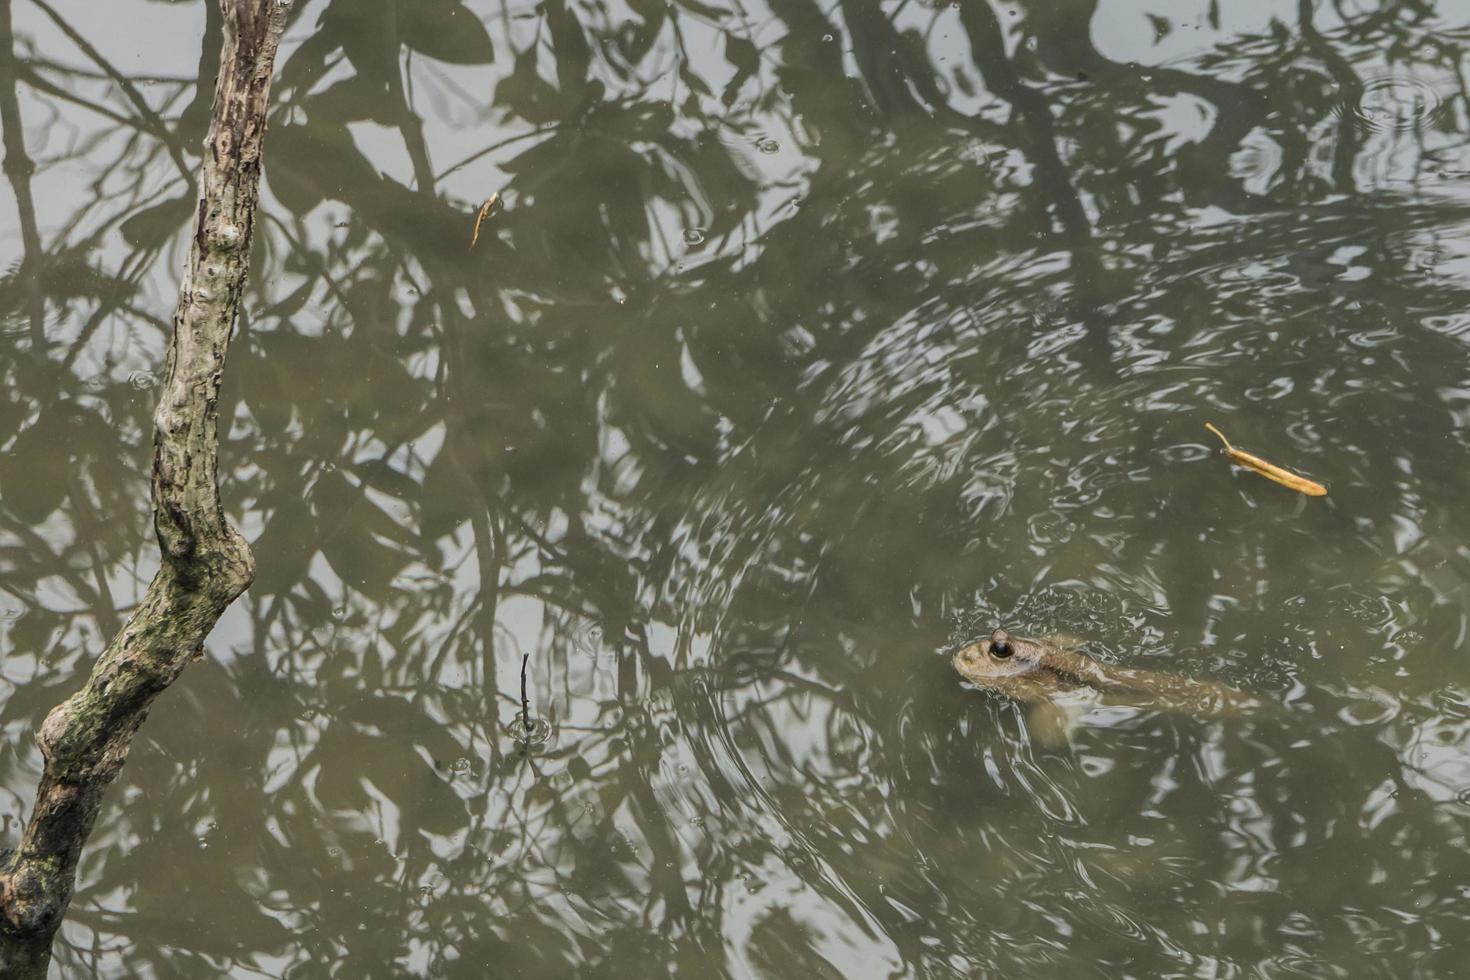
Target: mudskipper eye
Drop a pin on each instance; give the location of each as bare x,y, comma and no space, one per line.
1000,644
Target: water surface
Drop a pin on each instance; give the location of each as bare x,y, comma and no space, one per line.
810,341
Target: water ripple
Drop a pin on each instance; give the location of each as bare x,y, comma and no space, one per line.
1397,103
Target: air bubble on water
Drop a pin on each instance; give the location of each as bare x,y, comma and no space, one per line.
828,38
142,380
767,145
460,766
339,613
693,236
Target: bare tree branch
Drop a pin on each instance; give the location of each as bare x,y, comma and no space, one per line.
206,563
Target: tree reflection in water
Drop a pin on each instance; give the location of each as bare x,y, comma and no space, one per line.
809,338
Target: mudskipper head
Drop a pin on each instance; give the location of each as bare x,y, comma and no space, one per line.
998,656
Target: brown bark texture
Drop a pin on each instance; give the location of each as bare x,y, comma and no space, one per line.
206,563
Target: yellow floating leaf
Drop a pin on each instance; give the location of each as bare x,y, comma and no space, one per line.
1270,470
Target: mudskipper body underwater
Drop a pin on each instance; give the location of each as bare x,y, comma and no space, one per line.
1039,671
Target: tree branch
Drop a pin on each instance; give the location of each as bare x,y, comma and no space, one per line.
206,563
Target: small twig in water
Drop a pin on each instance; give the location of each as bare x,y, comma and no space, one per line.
525,697
485,209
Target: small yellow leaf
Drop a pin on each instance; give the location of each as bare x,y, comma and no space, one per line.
1270,470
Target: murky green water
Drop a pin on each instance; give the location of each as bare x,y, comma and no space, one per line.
811,339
